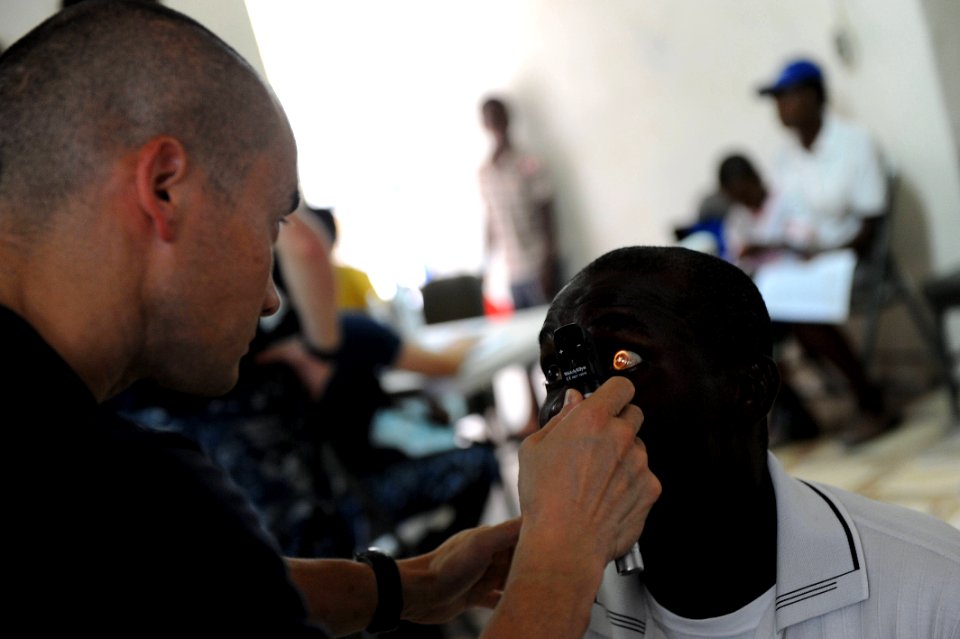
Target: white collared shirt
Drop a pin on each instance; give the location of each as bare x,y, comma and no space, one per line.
840,181
847,566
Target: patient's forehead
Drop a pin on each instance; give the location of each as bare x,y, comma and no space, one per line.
632,288
647,296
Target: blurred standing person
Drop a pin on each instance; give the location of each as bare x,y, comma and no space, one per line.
518,196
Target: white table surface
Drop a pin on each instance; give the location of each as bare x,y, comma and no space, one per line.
502,341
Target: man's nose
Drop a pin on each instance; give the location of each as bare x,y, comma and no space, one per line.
271,301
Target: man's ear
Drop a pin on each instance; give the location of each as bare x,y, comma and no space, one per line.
161,166
757,388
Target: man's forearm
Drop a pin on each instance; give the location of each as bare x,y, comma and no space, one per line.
339,594
549,594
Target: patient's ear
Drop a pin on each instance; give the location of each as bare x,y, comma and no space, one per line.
757,387
161,169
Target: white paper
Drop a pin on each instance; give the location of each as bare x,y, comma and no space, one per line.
814,291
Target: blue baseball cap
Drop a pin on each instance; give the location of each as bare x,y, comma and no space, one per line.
795,73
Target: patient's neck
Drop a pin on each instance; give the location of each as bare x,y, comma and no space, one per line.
710,554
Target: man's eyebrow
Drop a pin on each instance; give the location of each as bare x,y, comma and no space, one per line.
616,320
634,324
621,321
630,326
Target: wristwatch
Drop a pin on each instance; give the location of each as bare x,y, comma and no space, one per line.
389,592
323,354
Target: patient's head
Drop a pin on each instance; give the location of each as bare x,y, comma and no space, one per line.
697,338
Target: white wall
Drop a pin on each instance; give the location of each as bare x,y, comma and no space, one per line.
632,103
640,99
226,18
229,20
943,16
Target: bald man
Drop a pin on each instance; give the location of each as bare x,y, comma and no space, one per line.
145,171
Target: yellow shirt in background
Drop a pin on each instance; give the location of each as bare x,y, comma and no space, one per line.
353,289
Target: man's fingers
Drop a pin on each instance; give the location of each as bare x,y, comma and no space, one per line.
615,394
633,416
631,526
489,599
647,490
501,537
571,399
505,534
612,399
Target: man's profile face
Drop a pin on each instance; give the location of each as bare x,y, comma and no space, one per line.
637,315
222,283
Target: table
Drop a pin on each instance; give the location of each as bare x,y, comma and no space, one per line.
502,341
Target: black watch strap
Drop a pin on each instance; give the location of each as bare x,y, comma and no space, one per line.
389,592
323,354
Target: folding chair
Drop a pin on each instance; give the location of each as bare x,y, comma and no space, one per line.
880,283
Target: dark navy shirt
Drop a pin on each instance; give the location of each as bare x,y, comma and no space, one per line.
119,529
354,394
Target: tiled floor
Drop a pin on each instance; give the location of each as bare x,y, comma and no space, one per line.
917,465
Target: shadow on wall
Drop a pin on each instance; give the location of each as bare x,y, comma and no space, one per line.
571,222
537,133
911,231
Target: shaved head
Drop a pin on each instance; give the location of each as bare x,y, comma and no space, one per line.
718,300
103,77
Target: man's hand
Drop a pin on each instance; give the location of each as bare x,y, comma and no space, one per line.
313,373
468,570
584,479
585,491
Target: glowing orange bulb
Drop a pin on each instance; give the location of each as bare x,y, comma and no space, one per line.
625,359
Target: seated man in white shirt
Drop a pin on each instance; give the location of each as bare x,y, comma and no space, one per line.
829,164
828,191
735,547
